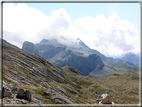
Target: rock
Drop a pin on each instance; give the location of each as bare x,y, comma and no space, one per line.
6,93
46,93
14,90
75,70
23,102
60,99
13,102
20,93
28,95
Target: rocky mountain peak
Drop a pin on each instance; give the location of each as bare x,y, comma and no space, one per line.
130,57
44,41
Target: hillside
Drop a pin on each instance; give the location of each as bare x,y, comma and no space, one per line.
125,68
40,82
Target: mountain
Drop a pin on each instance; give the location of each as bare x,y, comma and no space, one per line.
84,62
77,45
130,57
129,63
112,62
27,78
61,55
30,47
81,46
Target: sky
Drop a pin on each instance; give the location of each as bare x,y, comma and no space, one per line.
111,28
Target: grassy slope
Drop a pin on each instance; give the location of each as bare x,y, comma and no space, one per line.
125,68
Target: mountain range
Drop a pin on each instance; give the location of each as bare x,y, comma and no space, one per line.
30,79
79,55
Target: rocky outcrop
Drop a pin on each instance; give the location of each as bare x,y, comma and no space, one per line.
75,70
56,96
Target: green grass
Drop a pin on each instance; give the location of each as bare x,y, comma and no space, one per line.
125,68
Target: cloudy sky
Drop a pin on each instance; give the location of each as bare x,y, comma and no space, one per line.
111,28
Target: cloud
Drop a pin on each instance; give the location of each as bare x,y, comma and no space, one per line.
110,36
30,24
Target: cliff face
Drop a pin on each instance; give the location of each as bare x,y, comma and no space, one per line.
84,62
29,47
61,55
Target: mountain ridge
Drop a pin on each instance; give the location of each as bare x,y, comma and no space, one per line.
61,55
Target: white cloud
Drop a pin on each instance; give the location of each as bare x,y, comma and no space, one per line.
30,24
110,36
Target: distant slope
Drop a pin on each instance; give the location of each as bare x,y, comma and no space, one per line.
104,71
112,62
125,68
130,57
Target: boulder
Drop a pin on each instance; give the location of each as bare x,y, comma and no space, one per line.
23,102
20,93
14,90
28,95
6,93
